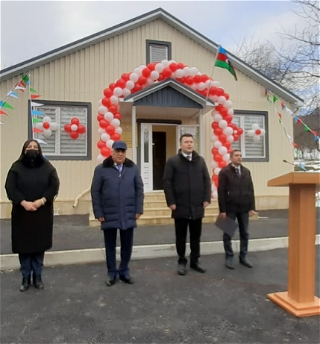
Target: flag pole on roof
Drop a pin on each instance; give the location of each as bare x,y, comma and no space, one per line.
223,61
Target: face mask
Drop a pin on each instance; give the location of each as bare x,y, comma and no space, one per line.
32,153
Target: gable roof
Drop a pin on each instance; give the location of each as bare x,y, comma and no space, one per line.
134,23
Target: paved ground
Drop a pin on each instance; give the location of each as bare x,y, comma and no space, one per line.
221,306
73,232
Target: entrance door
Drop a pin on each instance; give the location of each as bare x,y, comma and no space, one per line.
146,156
159,140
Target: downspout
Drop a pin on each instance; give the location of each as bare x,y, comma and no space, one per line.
76,201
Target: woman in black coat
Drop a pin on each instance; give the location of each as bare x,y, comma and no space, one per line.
32,185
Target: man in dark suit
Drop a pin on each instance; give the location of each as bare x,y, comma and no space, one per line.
236,200
187,187
117,200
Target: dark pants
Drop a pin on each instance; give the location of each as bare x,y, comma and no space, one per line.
32,262
110,240
243,222
181,226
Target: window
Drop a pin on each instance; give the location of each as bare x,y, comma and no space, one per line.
252,150
59,145
158,51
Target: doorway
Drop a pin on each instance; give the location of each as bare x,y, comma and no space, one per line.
159,141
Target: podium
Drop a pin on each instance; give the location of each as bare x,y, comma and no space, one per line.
300,298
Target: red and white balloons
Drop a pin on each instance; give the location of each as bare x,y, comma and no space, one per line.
74,128
46,126
256,132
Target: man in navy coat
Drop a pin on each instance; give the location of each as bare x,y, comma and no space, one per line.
117,200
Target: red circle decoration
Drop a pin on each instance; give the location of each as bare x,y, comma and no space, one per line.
81,129
144,76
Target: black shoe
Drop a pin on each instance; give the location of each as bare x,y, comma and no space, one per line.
229,263
127,279
37,282
197,267
182,269
245,262
111,281
25,284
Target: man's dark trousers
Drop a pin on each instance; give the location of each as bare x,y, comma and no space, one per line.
31,262
181,227
243,222
126,241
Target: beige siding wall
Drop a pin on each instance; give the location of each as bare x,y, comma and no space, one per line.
83,75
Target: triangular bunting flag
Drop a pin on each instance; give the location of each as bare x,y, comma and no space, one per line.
36,104
20,88
36,120
26,79
36,130
275,98
36,112
12,94
5,105
35,96
33,90
40,141
3,113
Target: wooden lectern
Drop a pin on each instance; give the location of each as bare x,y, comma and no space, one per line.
300,298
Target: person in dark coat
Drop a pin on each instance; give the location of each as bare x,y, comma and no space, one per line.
236,201
32,185
117,200
187,187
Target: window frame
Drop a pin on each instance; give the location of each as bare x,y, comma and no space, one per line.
55,103
149,42
243,113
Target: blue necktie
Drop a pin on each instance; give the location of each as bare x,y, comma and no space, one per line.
119,167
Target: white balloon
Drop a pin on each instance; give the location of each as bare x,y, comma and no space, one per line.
165,63
213,187
230,138
208,83
137,70
159,67
223,150
217,144
201,86
221,99
228,104
74,127
214,194
39,125
228,131
217,117
179,73
100,158
54,126
214,98
142,67
214,112
117,92
130,84
133,77
154,75
194,71
105,137
215,83
213,138
250,132
214,164
102,109
262,132
226,157
187,71
230,112
47,133
126,92
110,143
255,127
217,170
101,131
115,122
100,102
256,138
119,130
108,116
46,119
194,86
150,82
114,99
223,124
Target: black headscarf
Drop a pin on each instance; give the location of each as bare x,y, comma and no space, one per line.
38,161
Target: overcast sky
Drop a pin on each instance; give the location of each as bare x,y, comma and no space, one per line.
31,28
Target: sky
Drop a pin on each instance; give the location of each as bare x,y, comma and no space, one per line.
31,28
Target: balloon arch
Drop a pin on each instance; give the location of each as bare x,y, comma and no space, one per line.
224,130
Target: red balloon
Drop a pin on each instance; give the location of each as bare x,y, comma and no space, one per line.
214,151
228,118
227,144
106,101
220,91
223,138
258,131
125,76
214,125
218,131
236,137
146,72
197,79
142,80
103,123
218,107
240,131
189,80
81,129
222,164
67,127
110,129
113,108
204,77
75,120
46,125
74,135
213,90
173,66
118,116
167,72
115,137
107,92
121,83
223,111
215,178
227,96
100,117
218,158
105,151
101,144
180,65
137,88
151,66
112,86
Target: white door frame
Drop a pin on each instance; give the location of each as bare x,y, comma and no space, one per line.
146,155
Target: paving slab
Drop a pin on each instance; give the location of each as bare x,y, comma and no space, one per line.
221,306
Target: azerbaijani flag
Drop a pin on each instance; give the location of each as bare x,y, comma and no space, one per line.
223,61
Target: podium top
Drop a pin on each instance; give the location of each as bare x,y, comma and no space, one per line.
295,178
